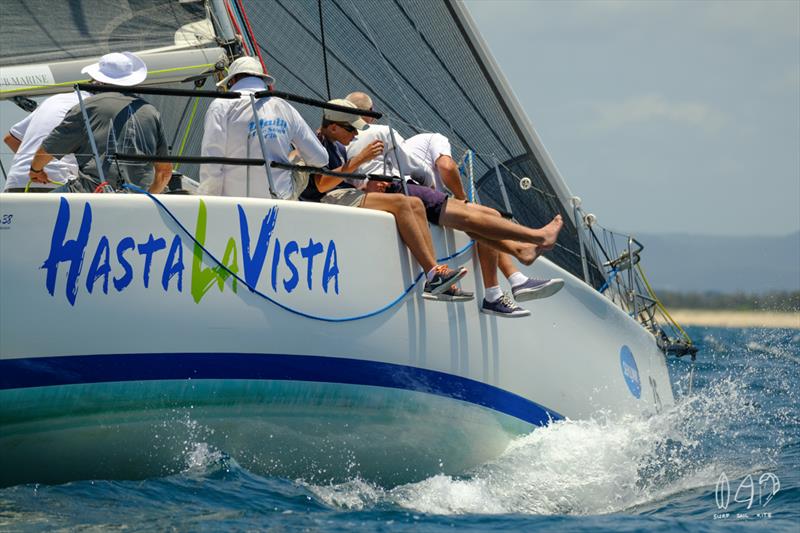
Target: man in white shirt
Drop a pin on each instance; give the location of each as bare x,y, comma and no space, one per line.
25,137
434,150
230,131
482,223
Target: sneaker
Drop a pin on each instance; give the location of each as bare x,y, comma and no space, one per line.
453,294
536,288
443,278
504,306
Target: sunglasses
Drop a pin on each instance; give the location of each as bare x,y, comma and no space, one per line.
346,127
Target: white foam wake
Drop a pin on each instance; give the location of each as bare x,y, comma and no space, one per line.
604,465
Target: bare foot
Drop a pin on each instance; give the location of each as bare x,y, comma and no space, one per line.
550,233
527,253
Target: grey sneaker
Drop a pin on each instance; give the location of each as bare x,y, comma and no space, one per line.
536,288
443,278
453,294
504,306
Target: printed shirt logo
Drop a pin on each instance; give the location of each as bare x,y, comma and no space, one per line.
270,128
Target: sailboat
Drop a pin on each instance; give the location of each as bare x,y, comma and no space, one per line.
134,327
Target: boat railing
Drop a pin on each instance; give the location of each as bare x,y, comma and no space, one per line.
233,95
626,284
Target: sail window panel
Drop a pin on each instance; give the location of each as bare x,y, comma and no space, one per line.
46,31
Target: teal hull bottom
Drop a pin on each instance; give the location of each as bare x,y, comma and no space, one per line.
293,429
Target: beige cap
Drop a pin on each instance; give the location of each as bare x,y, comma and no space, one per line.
246,65
353,119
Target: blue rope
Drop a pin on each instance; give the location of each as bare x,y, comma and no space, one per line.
283,306
611,277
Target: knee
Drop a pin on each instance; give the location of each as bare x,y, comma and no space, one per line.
415,204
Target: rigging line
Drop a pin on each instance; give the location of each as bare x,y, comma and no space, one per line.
369,35
251,35
453,77
291,73
333,54
324,48
495,89
368,86
188,128
235,22
396,72
3,168
180,121
252,289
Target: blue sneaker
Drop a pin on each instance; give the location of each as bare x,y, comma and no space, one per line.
536,288
504,306
443,278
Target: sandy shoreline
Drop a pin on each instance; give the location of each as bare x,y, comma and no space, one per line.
736,319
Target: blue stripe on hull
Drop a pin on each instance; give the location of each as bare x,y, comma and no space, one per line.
71,370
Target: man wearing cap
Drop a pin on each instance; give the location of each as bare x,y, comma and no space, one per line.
338,129
120,123
230,131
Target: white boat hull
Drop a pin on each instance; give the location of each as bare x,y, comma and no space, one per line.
328,369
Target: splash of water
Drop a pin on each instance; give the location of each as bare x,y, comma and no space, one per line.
610,463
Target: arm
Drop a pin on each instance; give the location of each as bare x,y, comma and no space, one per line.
214,140
12,142
162,176
370,152
40,159
16,133
448,170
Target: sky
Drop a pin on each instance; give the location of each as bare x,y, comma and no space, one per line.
664,117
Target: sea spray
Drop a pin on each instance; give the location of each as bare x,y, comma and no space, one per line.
612,464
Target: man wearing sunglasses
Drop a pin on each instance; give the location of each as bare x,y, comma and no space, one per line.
338,129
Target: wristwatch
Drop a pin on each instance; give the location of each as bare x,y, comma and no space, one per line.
36,171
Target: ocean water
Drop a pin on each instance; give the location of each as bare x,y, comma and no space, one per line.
726,457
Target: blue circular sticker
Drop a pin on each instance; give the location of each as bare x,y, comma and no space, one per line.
630,371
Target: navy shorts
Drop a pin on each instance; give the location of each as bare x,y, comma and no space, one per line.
433,200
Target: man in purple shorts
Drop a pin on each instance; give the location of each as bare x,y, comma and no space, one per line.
482,223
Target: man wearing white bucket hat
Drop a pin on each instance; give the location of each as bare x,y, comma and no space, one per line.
120,122
230,131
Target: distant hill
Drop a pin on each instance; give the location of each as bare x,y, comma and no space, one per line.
698,263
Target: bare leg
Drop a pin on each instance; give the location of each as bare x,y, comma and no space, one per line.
488,260
506,265
467,217
422,220
406,221
524,252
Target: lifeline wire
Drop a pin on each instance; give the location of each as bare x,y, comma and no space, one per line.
274,302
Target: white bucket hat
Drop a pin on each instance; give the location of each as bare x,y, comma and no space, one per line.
246,65
117,68
354,119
